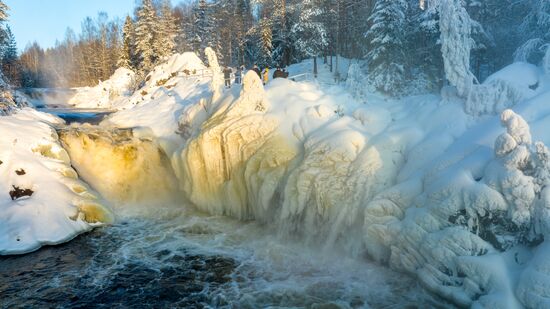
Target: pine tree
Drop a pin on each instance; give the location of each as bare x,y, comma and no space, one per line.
184,25
126,59
146,36
385,36
423,51
168,30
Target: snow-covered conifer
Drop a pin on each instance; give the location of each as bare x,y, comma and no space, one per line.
202,26
310,32
126,58
385,37
168,30
146,34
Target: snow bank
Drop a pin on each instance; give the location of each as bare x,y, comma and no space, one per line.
43,201
504,89
102,96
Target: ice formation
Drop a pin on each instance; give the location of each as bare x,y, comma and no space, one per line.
132,169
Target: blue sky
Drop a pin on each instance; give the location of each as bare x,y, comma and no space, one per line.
46,20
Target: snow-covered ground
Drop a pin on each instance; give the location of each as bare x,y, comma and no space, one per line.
453,194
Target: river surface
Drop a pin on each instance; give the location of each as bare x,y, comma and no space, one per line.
181,259
77,115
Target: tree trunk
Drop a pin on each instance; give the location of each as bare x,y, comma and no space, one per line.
315,67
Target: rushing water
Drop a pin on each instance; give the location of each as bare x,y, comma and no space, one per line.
181,259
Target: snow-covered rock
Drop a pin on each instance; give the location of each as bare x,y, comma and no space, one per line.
43,202
103,95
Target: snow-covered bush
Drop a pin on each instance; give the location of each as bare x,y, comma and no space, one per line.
10,100
356,83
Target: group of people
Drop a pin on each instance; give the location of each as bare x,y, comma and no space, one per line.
263,74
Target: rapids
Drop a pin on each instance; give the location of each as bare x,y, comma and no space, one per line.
180,258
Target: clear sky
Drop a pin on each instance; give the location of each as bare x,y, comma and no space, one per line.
47,20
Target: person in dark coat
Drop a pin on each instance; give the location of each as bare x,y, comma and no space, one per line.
227,76
258,71
278,73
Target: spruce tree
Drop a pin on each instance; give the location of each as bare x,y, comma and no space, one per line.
3,18
201,27
10,58
146,35
386,40
242,22
311,36
127,51
168,30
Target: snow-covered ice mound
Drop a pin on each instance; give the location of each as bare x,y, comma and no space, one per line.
42,202
106,92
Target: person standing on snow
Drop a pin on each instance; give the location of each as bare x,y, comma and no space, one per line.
266,75
238,75
227,76
278,73
257,70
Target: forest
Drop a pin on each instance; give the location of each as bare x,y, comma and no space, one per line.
396,42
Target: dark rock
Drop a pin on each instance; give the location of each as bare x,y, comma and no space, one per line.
18,193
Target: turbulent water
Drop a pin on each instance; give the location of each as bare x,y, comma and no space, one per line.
182,259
